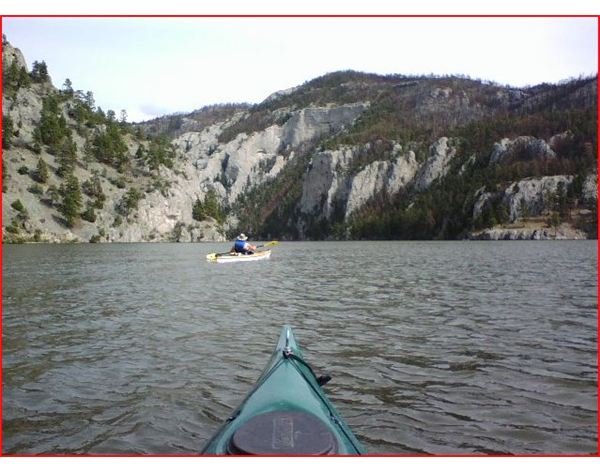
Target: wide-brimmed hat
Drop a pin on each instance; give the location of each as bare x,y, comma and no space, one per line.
242,237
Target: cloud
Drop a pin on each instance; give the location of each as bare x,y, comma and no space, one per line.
147,111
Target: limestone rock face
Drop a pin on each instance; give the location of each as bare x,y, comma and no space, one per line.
528,197
520,149
366,183
231,169
483,198
25,107
329,184
563,231
24,110
532,197
249,160
381,176
503,234
436,166
280,93
312,123
325,182
12,54
590,189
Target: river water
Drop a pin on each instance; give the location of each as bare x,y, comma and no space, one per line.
434,347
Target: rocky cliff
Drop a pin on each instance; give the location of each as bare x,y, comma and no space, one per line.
347,155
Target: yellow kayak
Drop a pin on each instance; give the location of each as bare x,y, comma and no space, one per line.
231,257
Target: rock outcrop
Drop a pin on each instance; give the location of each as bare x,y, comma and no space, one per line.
12,56
522,148
250,159
331,183
436,166
561,232
535,196
25,105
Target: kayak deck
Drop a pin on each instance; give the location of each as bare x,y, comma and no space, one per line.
286,413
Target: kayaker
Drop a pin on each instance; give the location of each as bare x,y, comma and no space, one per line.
241,245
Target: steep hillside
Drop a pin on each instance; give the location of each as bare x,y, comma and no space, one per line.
73,172
345,155
435,157
171,126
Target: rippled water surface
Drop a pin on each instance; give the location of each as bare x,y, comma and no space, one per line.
434,347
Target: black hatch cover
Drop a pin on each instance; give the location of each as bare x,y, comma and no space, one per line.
283,433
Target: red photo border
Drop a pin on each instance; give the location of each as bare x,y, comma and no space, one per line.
358,16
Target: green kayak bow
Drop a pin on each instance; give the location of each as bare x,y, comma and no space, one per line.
285,413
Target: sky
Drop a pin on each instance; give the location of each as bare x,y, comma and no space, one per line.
156,66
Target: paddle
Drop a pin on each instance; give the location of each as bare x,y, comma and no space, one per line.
268,244
213,256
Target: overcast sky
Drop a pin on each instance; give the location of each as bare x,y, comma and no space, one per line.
156,66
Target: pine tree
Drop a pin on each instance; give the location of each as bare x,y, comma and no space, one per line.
10,76
89,100
68,87
4,177
7,131
42,171
24,78
53,126
89,214
53,196
130,201
198,210
160,152
93,188
39,72
209,208
71,203
67,157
